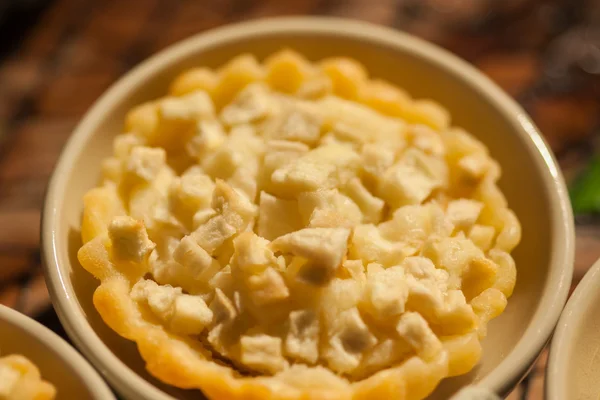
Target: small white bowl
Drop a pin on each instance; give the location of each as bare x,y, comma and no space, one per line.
531,181
573,370
59,363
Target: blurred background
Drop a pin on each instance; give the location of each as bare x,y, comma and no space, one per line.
58,56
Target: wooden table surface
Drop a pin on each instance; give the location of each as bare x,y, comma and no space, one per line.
72,50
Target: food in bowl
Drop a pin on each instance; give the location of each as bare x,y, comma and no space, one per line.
292,230
20,379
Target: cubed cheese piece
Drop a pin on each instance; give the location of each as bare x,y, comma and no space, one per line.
252,253
190,107
235,207
263,353
278,153
452,254
222,280
145,163
325,249
200,264
463,213
209,135
190,315
251,104
415,223
354,269
426,139
412,179
302,340
295,124
165,223
322,168
267,287
125,143
191,80
193,191
129,239
403,185
384,354
368,245
213,233
328,209
413,328
160,298
277,217
202,216
456,317
386,291
245,181
350,337
377,158
369,125
8,380
473,167
222,308
370,206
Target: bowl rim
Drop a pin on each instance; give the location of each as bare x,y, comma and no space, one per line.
561,348
60,349
505,375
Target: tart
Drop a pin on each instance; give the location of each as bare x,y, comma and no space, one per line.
20,380
298,230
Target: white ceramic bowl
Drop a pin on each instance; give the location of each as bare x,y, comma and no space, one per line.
59,363
573,370
531,181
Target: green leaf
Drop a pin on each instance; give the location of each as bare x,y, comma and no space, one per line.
585,190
